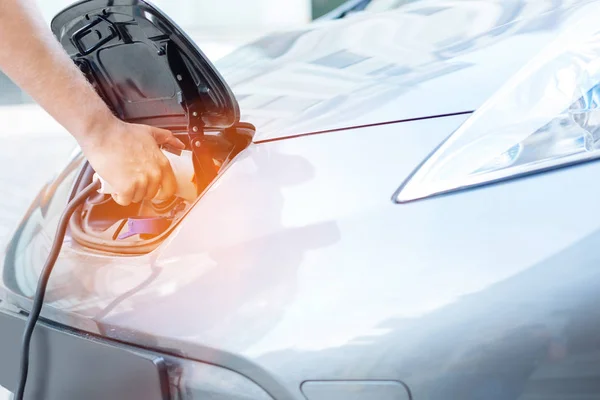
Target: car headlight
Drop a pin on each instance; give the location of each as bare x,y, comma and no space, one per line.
546,116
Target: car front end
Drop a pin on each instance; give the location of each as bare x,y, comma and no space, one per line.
402,225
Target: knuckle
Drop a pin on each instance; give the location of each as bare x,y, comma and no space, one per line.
127,188
163,162
121,200
155,175
168,190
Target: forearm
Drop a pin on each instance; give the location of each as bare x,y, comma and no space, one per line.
31,56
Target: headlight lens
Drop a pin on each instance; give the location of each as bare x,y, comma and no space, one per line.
546,116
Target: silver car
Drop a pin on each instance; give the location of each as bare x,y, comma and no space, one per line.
383,211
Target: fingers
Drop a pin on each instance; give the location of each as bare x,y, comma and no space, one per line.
124,198
148,184
168,184
139,171
157,179
154,181
178,144
163,136
140,189
146,188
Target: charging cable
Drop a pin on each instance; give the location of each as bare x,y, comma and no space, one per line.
38,298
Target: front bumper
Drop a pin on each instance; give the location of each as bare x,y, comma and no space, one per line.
70,365
67,365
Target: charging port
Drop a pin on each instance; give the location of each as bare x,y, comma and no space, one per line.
102,224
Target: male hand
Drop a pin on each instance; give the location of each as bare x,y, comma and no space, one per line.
128,158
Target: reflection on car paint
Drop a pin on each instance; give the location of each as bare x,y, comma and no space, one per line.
296,265
430,44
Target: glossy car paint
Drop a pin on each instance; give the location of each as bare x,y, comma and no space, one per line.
296,265
423,59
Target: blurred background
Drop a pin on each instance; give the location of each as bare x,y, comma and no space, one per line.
33,144
218,26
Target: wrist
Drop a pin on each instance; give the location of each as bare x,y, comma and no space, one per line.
95,129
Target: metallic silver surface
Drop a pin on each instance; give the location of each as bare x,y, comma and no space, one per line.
425,58
297,266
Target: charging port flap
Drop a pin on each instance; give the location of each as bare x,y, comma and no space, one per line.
122,47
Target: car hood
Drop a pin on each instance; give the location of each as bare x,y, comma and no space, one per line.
423,59
296,266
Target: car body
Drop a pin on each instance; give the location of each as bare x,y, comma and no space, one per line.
300,274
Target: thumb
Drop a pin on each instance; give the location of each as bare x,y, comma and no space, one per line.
163,136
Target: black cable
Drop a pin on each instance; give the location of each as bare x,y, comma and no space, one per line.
38,298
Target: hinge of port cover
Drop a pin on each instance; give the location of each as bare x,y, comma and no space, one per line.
192,104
